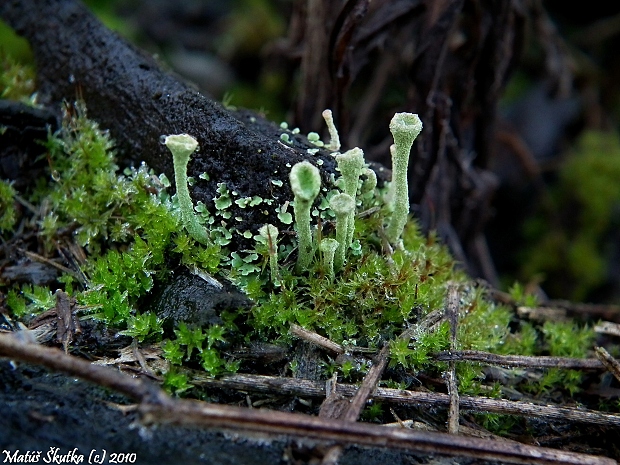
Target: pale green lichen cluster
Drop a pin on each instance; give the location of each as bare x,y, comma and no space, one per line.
343,206
354,189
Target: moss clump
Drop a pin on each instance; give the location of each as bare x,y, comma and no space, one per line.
8,214
16,79
127,223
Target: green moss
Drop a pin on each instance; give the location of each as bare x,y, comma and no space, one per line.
16,80
8,214
30,300
567,339
199,345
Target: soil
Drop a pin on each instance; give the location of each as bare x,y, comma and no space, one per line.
40,411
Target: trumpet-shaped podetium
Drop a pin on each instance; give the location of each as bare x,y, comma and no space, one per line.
351,165
268,234
370,183
405,127
334,143
305,184
182,146
342,205
328,248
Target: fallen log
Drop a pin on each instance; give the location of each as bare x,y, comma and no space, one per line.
129,94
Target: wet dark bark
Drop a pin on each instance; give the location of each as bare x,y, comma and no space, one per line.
127,92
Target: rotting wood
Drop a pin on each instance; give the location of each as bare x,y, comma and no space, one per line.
128,93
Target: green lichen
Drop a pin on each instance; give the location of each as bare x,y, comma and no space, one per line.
343,206
405,127
182,147
305,184
329,247
268,236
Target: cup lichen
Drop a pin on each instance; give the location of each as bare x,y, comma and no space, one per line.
268,234
405,127
328,247
305,183
182,146
343,205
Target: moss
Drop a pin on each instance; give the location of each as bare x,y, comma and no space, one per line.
8,214
16,79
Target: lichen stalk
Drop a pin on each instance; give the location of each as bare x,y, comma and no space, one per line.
334,143
342,205
269,233
351,165
305,183
328,247
405,127
182,146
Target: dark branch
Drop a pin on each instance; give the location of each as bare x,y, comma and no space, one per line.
128,93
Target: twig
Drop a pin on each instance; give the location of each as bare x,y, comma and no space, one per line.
429,320
188,412
316,339
67,323
608,312
369,384
139,356
46,261
156,406
607,327
452,313
604,311
543,314
520,360
309,388
610,363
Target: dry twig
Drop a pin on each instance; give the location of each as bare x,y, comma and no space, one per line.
610,363
520,360
452,313
316,339
607,327
309,388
